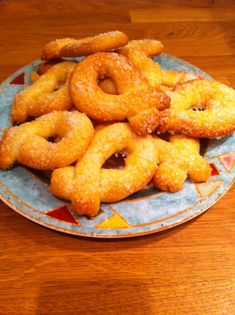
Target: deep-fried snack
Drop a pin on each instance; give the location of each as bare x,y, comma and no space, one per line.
28,143
118,82
179,158
135,94
171,78
106,84
87,184
69,47
45,66
200,108
138,52
48,93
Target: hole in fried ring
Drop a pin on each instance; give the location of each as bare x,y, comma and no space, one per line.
108,86
116,161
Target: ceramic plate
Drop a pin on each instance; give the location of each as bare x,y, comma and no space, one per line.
145,212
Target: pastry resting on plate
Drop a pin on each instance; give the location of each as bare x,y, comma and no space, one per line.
77,114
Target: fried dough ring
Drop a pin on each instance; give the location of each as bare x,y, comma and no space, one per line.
69,47
48,93
179,158
27,144
87,184
215,99
135,94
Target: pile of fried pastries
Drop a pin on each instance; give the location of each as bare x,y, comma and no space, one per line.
116,101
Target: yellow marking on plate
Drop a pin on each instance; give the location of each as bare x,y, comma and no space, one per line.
34,76
113,222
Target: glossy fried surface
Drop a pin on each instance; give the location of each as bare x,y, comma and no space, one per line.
87,184
139,53
135,94
48,93
69,47
200,108
179,158
28,143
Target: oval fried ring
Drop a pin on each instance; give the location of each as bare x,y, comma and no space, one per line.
21,143
135,94
48,93
88,184
200,109
69,47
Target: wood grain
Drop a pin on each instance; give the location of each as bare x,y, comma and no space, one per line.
184,14
187,270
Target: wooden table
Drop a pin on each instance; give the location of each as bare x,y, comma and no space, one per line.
187,270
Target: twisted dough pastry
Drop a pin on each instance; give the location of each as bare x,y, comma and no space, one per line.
69,47
28,144
135,94
139,51
87,184
179,158
201,109
48,93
